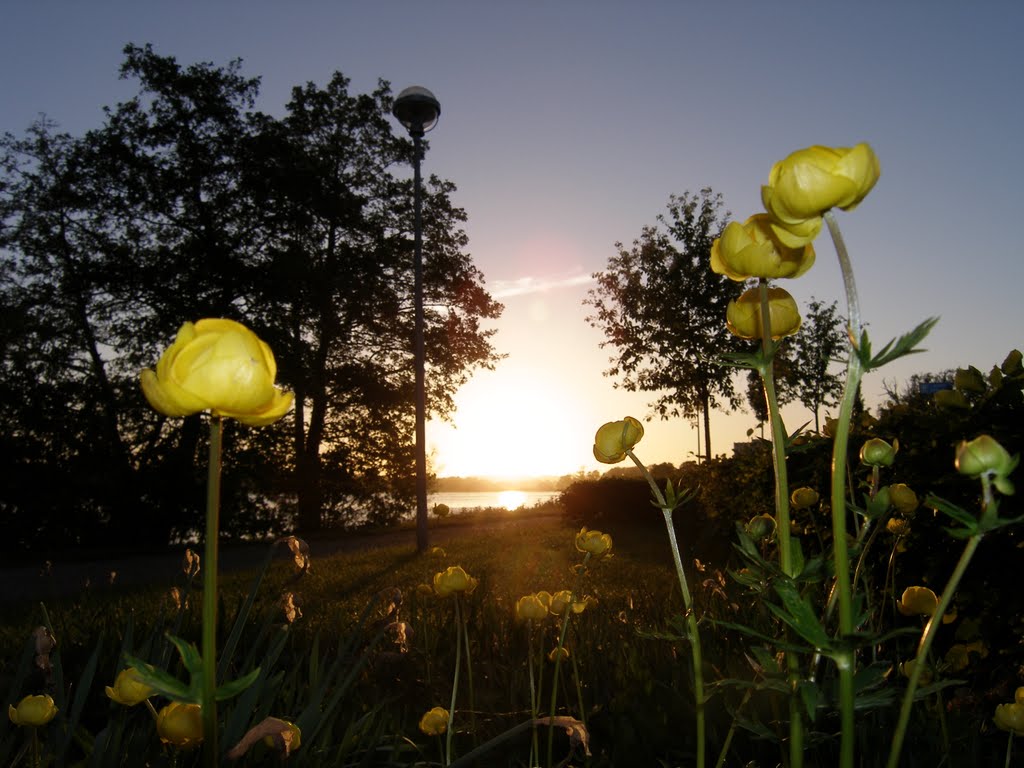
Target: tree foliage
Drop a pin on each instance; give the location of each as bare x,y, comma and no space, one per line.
662,310
186,203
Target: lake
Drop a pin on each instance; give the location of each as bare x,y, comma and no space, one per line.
460,501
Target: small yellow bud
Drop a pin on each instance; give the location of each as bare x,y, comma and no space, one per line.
802,498
615,438
434,722
878,453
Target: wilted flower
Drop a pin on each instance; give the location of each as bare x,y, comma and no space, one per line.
290,606
180,725
811,181
615,438
903,498
33,710
897,526
985,456
752,249
907,669
453,579
557,653
300,551
531,607
434,722
282,735
878,453
743,315
220,366
44,642
802,498
958,657
594,542
190,564
128,690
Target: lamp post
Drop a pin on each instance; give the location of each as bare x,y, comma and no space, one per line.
417,109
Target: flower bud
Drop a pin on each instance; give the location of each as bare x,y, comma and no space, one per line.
1010,717
983,456
615,438
1013,365
878,453
743,316
950,398
752,249
903,498
802,498
180,725
760,528
442,510
969,380
811,181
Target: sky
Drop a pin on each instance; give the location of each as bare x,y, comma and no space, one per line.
567,125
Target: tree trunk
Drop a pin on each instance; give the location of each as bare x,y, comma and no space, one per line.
707,427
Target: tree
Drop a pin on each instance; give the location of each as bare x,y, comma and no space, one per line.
663,311
810,353
187,203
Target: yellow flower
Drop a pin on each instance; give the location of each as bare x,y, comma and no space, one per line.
1010,717
921,601
878,453
32,710
180,725
594,542
615,438
453,579
558,653
434,722
442,510
128,689
438,552
813,180
219,366
802,498
743,316
752,249
903,498
531,607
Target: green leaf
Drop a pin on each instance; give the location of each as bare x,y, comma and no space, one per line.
809,695
904,345
235,687
798,613
163,682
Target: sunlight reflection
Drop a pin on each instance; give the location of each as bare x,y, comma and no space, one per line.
511,499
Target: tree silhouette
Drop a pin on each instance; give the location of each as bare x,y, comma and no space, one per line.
662,309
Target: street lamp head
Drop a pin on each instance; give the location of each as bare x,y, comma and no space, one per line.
417,109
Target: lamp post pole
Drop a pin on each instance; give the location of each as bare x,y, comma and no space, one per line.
418,110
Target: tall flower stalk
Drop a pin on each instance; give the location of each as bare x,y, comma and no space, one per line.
221,367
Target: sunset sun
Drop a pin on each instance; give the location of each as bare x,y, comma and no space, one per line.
517,426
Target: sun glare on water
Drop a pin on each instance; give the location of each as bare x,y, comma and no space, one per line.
511,499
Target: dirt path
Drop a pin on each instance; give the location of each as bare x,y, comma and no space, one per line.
67,578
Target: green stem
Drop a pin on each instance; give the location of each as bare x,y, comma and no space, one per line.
558,657
924,646
535,746
840,553
691,618
209,639
455,682
778,430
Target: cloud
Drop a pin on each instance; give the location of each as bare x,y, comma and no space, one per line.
522,286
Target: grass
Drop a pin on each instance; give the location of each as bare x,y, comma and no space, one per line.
372,651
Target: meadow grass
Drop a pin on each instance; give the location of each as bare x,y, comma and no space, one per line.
375,648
